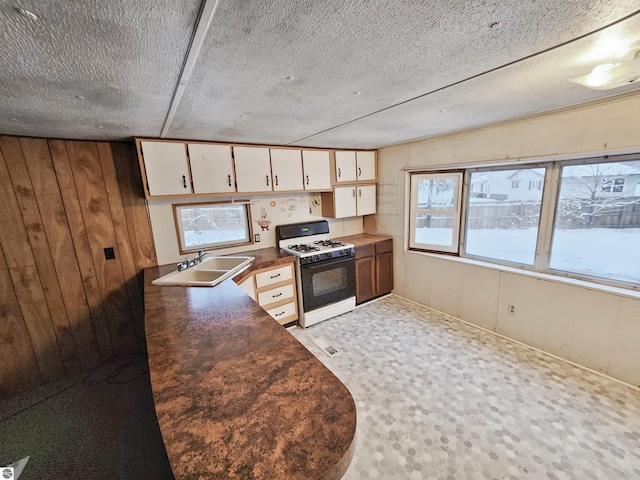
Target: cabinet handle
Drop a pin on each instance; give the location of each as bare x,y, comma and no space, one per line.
307,179
339,173
229,179
360,193
278,314
267,177
359,172
275,276
276,295
184,181
354,193
276,181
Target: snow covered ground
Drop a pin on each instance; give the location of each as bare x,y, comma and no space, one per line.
601,252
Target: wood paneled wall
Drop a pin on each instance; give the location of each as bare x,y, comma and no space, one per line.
65,308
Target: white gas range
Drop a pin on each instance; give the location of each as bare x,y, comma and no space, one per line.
325,270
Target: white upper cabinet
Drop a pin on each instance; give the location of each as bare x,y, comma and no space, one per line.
366,201
346,166
317,169
344,202
286,169
211,168
253,169
166,168
349,201
366,166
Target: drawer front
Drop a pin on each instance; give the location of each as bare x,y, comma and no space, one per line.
275,295
384,246
283,311
275,275
364,251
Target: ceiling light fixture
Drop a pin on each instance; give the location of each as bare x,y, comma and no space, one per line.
357,92
26,13
291,78
608,76
80,97
495,25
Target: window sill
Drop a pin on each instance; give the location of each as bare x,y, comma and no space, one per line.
538,275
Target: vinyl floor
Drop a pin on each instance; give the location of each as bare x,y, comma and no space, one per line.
439,399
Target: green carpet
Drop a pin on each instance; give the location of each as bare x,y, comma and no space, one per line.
100,425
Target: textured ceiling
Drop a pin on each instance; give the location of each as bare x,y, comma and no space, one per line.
332,74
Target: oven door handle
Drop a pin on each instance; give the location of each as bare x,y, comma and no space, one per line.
314,266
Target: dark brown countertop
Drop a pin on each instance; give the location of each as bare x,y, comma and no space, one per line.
236,395
361,239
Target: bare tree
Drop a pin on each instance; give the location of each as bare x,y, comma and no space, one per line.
593,189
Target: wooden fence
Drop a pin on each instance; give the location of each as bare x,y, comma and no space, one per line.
515,215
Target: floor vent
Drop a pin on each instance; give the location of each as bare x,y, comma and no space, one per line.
325,347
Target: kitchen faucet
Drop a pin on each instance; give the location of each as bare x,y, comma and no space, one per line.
191,262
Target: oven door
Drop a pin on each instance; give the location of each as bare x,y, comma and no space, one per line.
327,282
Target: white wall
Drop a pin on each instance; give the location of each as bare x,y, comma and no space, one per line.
279,209
585,323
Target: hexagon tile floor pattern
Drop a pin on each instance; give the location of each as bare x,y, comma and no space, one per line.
438,399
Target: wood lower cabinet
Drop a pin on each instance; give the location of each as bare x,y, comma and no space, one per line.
374,269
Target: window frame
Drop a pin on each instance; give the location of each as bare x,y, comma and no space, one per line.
180,233
548,210
425,247
541,229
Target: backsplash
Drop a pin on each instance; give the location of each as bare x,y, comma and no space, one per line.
267,211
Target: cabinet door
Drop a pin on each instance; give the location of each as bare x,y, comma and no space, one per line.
167,169
211,168
317,170
366,200
286,169
366,165
253,169
365,279
384,273
346,167
344,199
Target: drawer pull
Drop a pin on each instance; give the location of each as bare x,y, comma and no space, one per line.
276,295
229,179
359,172
275,276
184,181
278,314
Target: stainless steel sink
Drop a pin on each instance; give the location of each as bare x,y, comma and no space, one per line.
210,272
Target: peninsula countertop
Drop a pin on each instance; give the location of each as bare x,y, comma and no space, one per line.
236,395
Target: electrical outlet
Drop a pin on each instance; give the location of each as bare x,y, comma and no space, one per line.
109,253
256,238
511,309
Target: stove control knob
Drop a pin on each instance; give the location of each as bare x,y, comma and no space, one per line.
316,257
328,255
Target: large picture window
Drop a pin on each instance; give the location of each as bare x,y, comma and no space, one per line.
502,220
587,227
435,216
597,223
204,226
